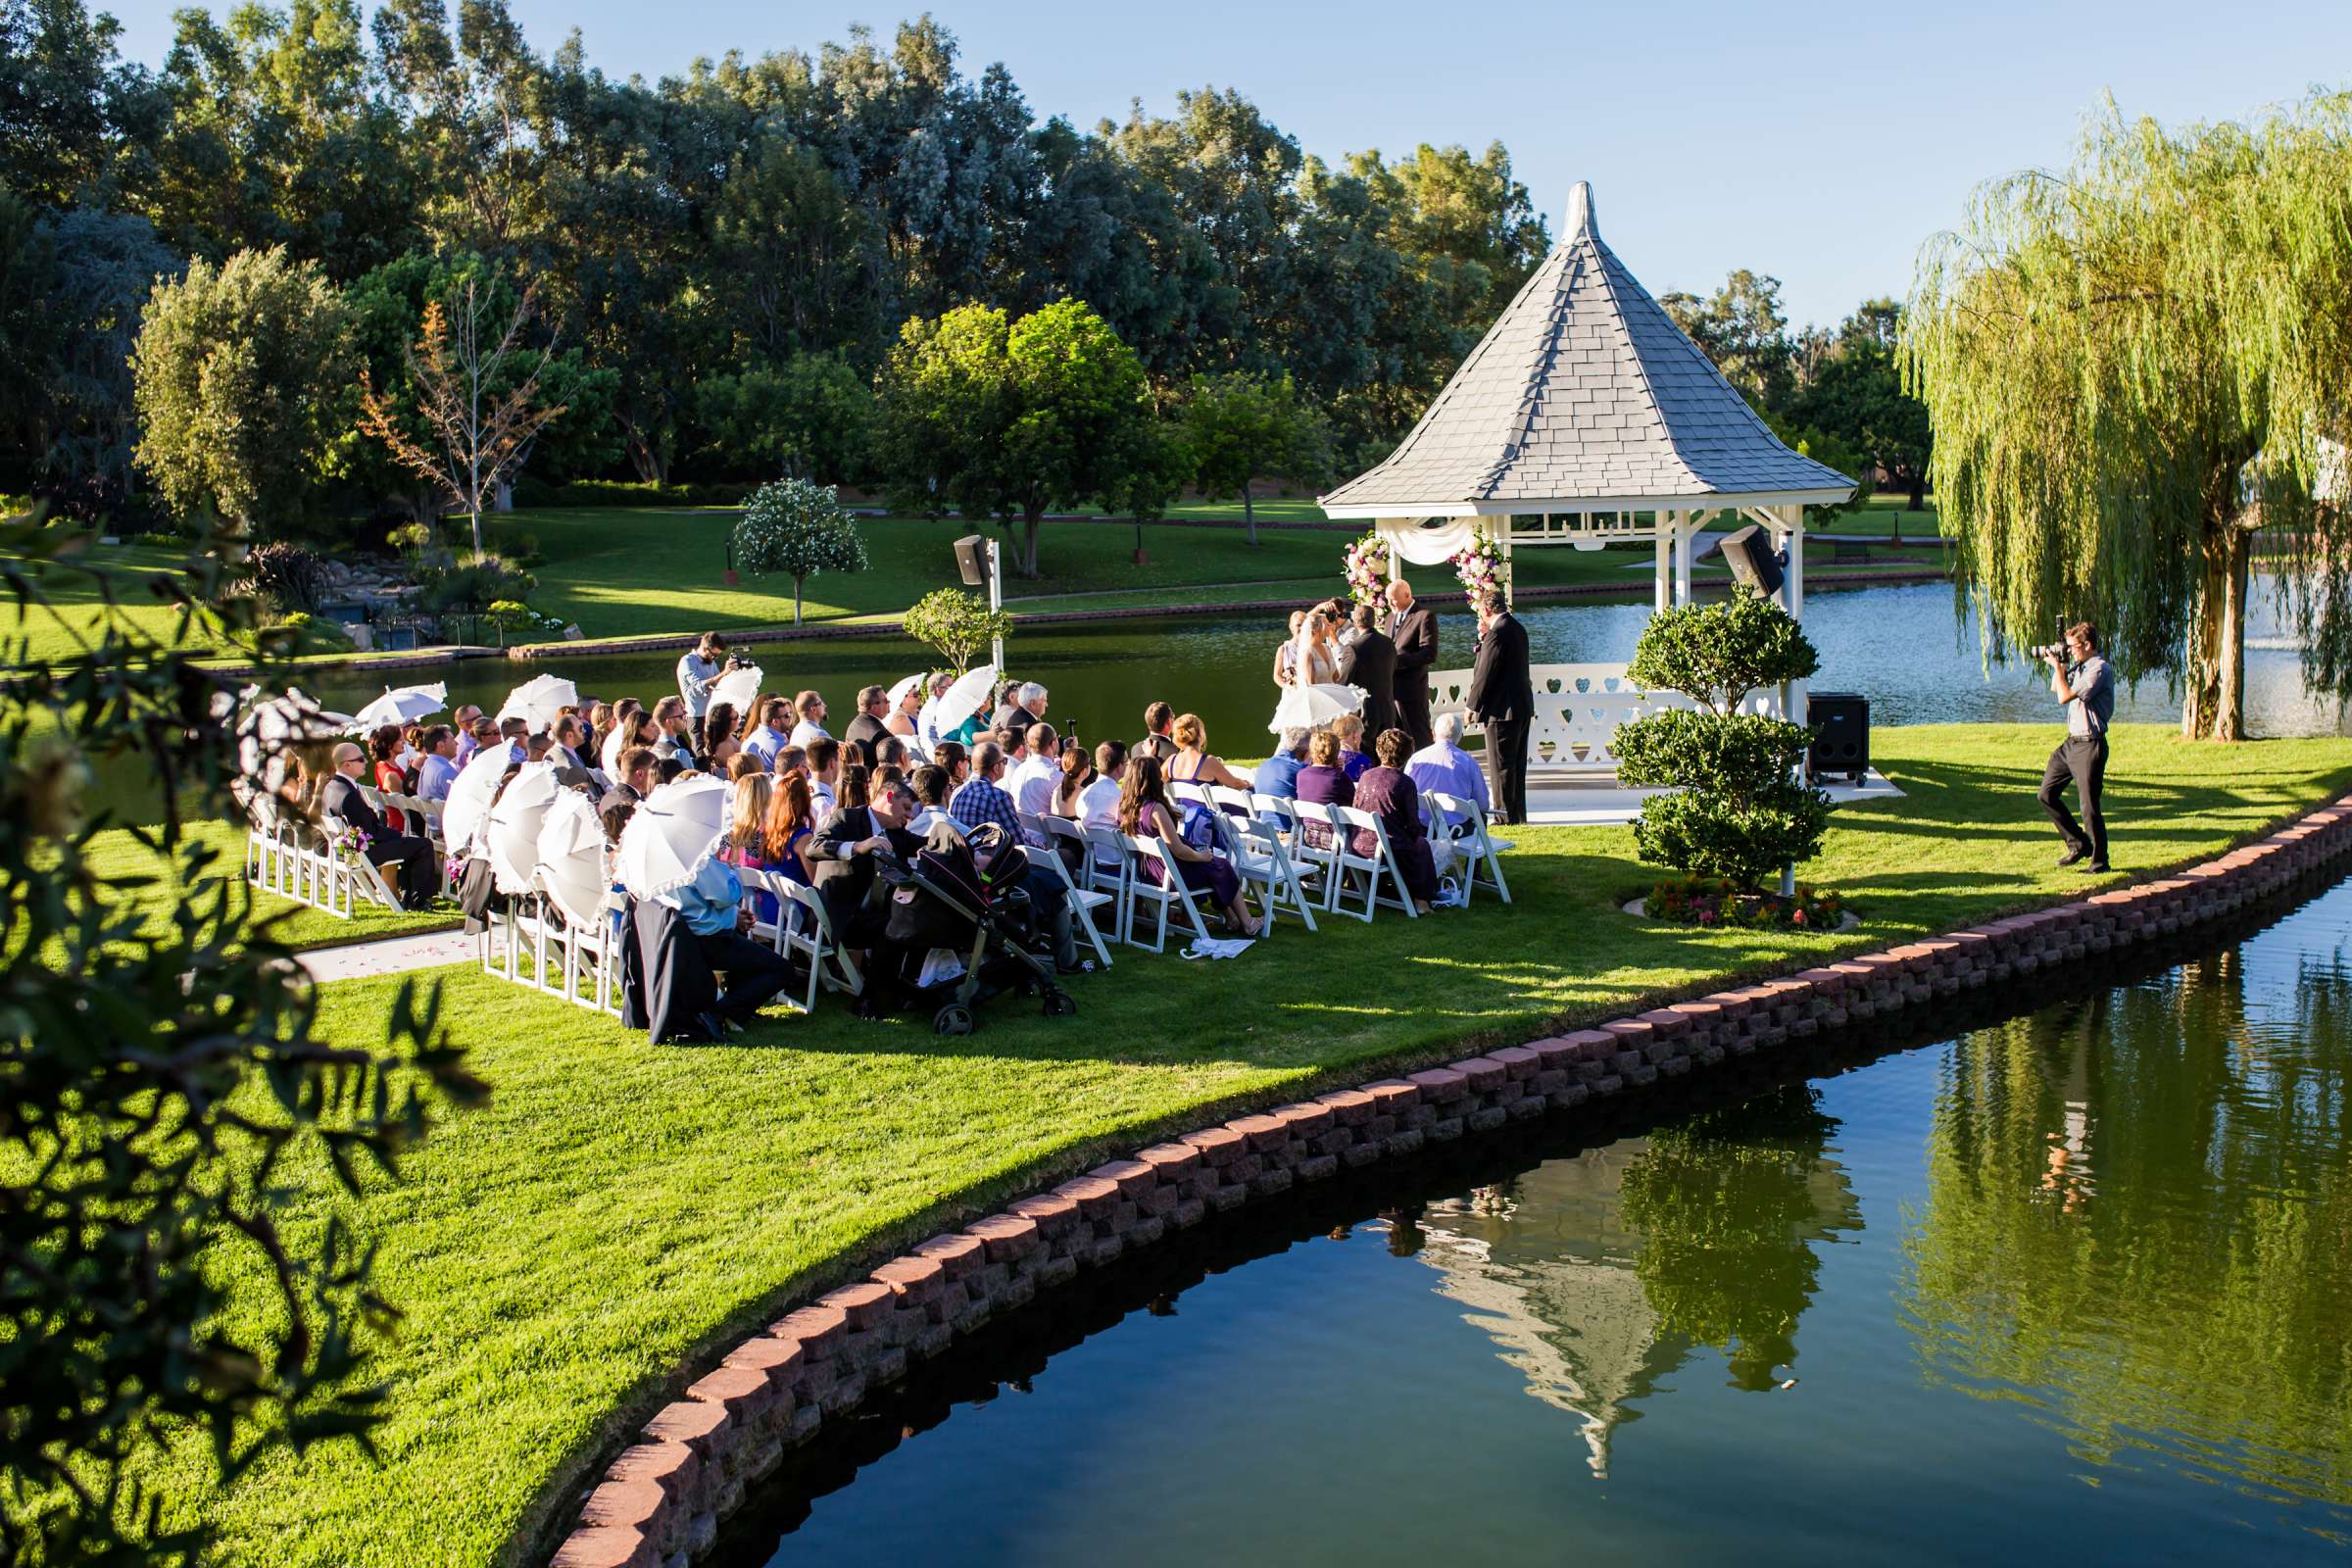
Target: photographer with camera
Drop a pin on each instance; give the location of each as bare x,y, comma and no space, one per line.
2081,679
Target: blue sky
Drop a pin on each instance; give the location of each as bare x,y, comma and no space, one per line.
1820,143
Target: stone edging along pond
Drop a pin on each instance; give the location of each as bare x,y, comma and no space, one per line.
658,1505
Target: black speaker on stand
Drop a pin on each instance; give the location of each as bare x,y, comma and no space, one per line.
1840,725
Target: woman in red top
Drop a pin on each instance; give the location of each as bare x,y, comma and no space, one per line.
383,750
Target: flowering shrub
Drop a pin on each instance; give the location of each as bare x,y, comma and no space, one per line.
1368,572
1713,902
1481,568
797,529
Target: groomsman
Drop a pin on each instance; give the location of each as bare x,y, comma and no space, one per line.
1502,698
1372,666
1414,630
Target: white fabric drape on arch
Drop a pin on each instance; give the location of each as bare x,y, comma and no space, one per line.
1427,542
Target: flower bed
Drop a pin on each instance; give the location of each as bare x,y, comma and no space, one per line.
1717,902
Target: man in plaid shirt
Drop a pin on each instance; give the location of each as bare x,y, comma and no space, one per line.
980,799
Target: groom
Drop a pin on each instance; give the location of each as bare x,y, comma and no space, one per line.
1414,630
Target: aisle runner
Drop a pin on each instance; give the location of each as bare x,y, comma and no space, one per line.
367,960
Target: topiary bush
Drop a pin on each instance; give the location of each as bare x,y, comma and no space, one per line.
797,529
956,624
1737,811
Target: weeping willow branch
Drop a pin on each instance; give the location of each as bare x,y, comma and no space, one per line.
2137,367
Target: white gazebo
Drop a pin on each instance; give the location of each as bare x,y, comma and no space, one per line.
1584,417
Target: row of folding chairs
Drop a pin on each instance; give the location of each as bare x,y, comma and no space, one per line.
1320,841
332,880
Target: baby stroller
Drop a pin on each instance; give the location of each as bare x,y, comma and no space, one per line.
967,894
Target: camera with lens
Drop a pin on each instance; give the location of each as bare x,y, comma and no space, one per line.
2052,651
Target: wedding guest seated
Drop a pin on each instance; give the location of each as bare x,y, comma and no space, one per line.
791,760
769,739
980,798
712,905
1387,793
744,845
1193,764
1323,782
517,733
1031,782
339,798
871,727
791,821
743,765
1158,719
463,721
1099,799
956,758
1278,775
930,784
439,769
1442,766
1350,728
901,721
824,775
892,751
811,709
719,724
1144,812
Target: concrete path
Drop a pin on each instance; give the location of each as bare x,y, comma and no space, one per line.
368,960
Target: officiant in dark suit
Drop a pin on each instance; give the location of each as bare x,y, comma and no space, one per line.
1502,698
1414,632
1372,666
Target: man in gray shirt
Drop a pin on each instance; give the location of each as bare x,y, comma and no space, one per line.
699,669
2082,680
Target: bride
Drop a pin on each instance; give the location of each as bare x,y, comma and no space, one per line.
1314,695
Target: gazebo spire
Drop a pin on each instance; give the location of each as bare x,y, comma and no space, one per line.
1581,222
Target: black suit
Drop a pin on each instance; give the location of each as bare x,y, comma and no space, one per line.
1372,666
866,733
1415,635
846,880
341,798
1503,699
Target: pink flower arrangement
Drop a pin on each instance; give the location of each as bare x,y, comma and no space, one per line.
1368,572
1481,568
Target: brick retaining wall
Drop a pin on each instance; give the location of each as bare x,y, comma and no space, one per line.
660,1502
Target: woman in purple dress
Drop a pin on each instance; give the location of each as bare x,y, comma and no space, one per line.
1144,810
1388,794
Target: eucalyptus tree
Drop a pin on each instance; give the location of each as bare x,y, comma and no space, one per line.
2135,369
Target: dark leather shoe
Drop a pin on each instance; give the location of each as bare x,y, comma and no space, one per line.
2071,856
2097,869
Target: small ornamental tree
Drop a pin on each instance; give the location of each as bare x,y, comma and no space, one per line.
1736,810
799,530
955,623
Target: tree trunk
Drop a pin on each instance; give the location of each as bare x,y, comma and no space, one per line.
795,600
1248,516
1919,491
2214,706
644,458
1029,526
475,512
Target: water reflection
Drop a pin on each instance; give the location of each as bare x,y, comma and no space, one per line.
2137,1220
2014,1288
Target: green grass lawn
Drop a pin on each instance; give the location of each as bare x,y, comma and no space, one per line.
68,625
617,1205
114,853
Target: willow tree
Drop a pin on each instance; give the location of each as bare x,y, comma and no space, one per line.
2136,372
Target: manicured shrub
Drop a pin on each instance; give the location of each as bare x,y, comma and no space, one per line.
1736,810
955,623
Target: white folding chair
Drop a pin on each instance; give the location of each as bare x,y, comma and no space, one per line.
1084,900
587,949
1264,862
1165,893
1189,792
1382,864
1109,869
809,932
1230,801
361,877
1315,846
1479,850
423,818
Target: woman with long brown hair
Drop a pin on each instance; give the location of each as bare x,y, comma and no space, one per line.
1144,811
790,818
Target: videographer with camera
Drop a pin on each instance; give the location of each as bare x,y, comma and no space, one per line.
2081,679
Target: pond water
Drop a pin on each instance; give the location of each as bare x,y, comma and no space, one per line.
2072,1285
1904,648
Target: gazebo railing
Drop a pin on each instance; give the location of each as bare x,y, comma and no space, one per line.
1578,708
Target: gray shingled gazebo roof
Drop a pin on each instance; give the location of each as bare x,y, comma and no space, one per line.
1583,396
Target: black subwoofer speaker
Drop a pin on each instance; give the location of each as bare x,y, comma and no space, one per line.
1841,722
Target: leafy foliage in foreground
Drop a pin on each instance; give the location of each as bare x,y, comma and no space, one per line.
154,1078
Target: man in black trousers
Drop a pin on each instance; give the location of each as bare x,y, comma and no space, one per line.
1502,698
1372,666
340,798
2081,682
1413,629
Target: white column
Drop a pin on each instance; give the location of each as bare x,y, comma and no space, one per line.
1665,570
1686,527
1793,589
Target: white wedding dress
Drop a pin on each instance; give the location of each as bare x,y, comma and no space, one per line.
1315,695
